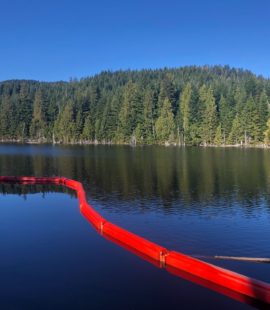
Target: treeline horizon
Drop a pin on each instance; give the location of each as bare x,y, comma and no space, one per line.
209,105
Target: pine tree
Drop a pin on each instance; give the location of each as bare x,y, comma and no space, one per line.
167,90
165,123
218,136
251,121
110,118
236,135
24,111
226,117
65,127
209,114
78,125
148,127
239,98
185,111
267,133
7,128
38,124
138,134
88,133
263,109
131,112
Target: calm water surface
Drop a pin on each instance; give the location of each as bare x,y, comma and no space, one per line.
198,201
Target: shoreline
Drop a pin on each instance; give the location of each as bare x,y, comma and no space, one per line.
37,142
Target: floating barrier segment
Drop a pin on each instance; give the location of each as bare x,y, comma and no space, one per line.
171,260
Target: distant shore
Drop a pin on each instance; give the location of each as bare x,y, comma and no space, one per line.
88,142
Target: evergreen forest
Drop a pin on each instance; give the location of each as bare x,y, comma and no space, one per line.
208,105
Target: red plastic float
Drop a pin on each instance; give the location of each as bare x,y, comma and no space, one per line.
223,280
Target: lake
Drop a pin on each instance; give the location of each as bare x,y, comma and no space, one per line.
199,201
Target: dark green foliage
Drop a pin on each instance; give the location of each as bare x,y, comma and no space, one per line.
251,122
189,105
131,112
165,123
218,136
267,133
209,115
226,116
184,114
38,123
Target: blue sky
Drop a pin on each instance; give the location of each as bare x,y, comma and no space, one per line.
56,40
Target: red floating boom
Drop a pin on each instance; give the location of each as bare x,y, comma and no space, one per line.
221,277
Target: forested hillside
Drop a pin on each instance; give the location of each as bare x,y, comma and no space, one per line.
190,105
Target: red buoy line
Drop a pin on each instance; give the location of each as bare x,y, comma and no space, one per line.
174,262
